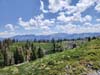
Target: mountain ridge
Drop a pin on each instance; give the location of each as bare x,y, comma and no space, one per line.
53,36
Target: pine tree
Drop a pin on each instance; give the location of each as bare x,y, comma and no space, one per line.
54,46
89,39
6,58
40,52
1,45
33,53
18,56
61,46
1,59
28,44
7,42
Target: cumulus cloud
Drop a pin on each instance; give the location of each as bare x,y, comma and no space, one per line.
97,7
10,27
37,22
76,17
42,7
58,5
87,18
72,28
80,7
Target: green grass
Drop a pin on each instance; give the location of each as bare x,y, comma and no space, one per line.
73,62
45,46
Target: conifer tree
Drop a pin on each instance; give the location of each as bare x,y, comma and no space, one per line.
40,52
5,55
54,46
18,56
33,53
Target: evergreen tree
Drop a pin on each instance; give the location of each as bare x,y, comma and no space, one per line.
54,46
28,44
88,38
61,46
93,37
6,57
18,56
40,52
1,59
7,42
33,53
74,45
1,45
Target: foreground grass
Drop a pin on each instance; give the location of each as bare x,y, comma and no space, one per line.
79,61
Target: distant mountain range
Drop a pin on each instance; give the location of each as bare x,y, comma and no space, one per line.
55,36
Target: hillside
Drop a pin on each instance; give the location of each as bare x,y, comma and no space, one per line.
84,60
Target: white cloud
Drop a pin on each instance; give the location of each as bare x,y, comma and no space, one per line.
63,18
24,24
6,34
97,7
75,17
85,28
69,28
58,5
98,20
80,7
71,9
37,22
10,27
42,7
87,18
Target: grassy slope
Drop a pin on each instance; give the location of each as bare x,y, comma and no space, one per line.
75,62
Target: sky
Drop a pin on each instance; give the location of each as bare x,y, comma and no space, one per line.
44,17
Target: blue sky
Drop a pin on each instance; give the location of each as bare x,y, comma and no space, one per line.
43,17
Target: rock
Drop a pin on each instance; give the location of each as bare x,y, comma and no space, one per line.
93,73
98,72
